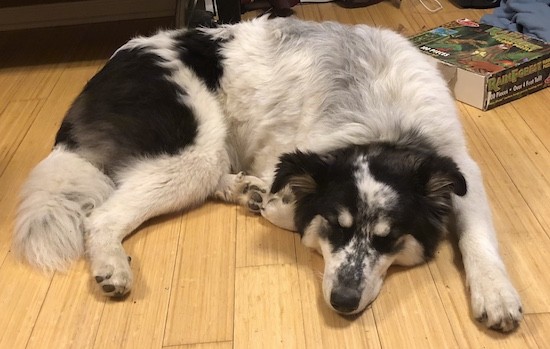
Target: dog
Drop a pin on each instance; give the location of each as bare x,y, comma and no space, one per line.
344,134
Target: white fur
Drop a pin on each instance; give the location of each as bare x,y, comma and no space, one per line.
412,253
66,187
310,237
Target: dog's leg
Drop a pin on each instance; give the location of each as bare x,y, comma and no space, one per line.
494,300
147,189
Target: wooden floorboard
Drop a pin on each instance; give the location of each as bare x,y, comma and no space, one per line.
218,277
203,286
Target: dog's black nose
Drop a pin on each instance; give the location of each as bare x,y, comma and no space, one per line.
345,299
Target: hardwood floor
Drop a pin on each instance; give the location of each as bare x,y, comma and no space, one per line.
218,277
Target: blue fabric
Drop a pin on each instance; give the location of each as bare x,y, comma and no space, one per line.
531,17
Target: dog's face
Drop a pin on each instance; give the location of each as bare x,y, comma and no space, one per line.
367,207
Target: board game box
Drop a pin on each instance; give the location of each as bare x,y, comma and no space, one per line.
486,66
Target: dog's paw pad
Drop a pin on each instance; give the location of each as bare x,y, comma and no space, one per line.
254,207
113,276
115,286
256,189
482,318
108,288
247,188
250,191
255,198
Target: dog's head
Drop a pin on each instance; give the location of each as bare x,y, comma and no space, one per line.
366,207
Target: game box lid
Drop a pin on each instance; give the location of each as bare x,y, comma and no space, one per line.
491,65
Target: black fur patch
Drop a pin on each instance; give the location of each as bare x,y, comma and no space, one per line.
129,109
201,53
64,136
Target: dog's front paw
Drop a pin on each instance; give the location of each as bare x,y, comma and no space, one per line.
246,190
113,274
254,197
496,303
250,191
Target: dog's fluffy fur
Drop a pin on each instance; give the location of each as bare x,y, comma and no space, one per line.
346,134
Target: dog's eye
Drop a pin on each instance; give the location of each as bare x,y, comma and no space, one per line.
334,225
338,235
384,244
340,219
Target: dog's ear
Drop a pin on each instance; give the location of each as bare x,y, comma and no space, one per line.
300,171
441,174
438,178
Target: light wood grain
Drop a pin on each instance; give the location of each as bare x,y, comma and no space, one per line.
259,243
538,325
203,287
21,297
15,122
71,308
218,277
268,308
212,345
530,110
409,299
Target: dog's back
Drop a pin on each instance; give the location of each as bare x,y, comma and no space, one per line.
319,86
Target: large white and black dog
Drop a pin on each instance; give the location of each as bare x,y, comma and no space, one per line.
345,134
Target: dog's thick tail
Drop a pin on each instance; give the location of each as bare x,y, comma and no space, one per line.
56,198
